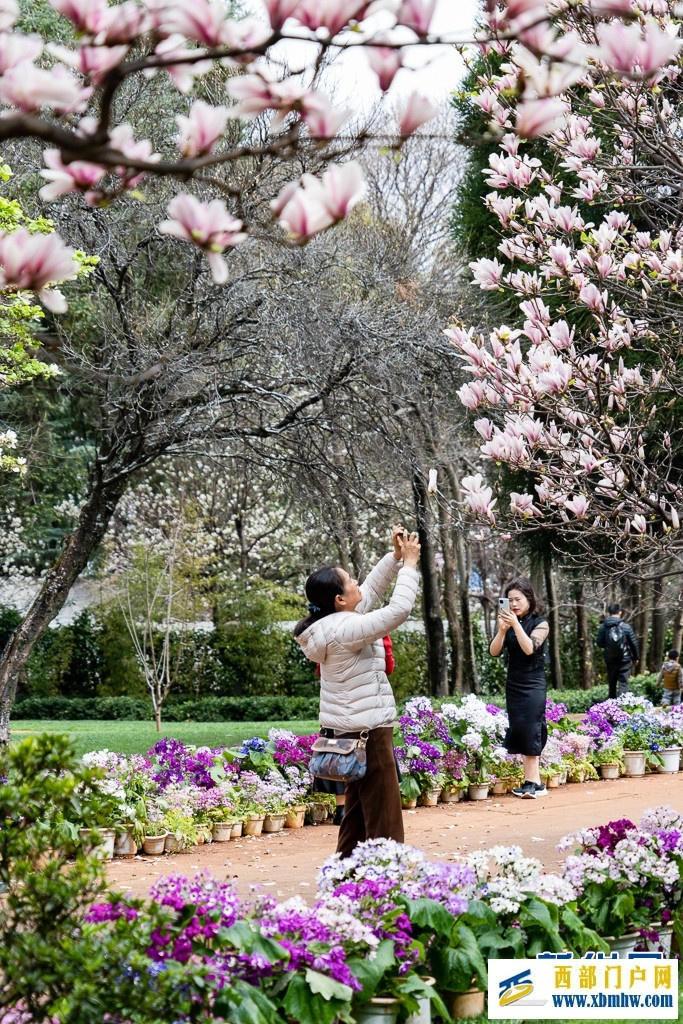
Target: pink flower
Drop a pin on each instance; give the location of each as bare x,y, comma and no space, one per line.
209,226
626,48
417,15
182,75
201,129
523,505
123,23
639,524
87,16
487,273
478,496
76,176
280,10
29,88
322,118
539,117
471,395
385,62
308,207
32,262
9,12
92,61
433,481
578,505
332,15
201,20
15,48
416,111
254,94
484,427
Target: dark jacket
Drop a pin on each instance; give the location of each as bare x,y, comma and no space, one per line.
631,651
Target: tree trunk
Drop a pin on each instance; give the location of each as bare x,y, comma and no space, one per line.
553,622
157,719
78,548
678,624
656,651
431,605
583,639
469,661
450,600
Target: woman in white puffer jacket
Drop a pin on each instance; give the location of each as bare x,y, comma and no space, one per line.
344,637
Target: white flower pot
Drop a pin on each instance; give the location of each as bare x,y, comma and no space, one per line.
253,824
236,830
222,832
377,1010
154,845
634,762
478,790
451,795
499,787
424,1014
671,756
624,945
295,817
172,844
125,845
105,849
609,771
430,797
274,822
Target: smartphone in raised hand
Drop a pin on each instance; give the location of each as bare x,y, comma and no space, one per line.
504,604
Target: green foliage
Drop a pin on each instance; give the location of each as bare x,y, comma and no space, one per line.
492,671
409,678
209,709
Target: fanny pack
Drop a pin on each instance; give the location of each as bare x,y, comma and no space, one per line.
340,758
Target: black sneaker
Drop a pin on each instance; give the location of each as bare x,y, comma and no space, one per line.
540,789
526,790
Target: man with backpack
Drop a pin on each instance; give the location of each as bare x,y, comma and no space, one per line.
620,647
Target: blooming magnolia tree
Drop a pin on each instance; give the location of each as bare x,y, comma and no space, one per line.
579,393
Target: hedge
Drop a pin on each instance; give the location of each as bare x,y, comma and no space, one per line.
208,709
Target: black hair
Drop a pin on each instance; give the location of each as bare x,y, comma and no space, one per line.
322,586
523,584
613,609
673,653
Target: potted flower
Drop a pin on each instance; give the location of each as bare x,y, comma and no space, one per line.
181,830
608,758
642,739
453,773
422,762
319,807
671,725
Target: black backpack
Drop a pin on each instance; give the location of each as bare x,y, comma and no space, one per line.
615,645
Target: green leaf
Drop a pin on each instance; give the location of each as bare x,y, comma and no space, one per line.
327,987
370,972
426,913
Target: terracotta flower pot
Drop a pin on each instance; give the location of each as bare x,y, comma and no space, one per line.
172,844
499,787
295,817
408,805
466,1004
253,824
451,795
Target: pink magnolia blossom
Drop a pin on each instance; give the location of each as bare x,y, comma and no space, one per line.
182,75
323,119
77,176
201,20
280,10
331,15
9,12
433,481
15,48
639,524
578,505
478,496
343,187
209,226
484,427
523,505
33,262
417,15
385,62
254,94
628,48
29,88
124,23
92,61
201,129
487,273
539,117
310,206
471,395
87,16
415,112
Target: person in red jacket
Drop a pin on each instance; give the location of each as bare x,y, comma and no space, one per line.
327,785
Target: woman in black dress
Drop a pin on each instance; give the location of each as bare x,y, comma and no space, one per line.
522,633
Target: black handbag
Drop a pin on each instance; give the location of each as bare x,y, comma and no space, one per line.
340,758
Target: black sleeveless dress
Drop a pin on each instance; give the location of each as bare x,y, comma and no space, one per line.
525,693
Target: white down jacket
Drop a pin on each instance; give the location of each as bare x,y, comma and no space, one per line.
355,692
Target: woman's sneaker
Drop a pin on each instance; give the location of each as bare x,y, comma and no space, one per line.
530,790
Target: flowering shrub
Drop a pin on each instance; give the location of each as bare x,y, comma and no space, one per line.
626,876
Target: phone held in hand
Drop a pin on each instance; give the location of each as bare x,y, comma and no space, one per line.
504,604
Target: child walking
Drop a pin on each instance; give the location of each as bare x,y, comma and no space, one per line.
670,679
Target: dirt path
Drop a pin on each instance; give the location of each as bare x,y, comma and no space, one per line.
286,863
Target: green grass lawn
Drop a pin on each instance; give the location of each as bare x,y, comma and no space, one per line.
138,737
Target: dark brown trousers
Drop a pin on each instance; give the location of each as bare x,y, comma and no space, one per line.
372,809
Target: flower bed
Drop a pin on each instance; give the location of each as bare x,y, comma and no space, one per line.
380,920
